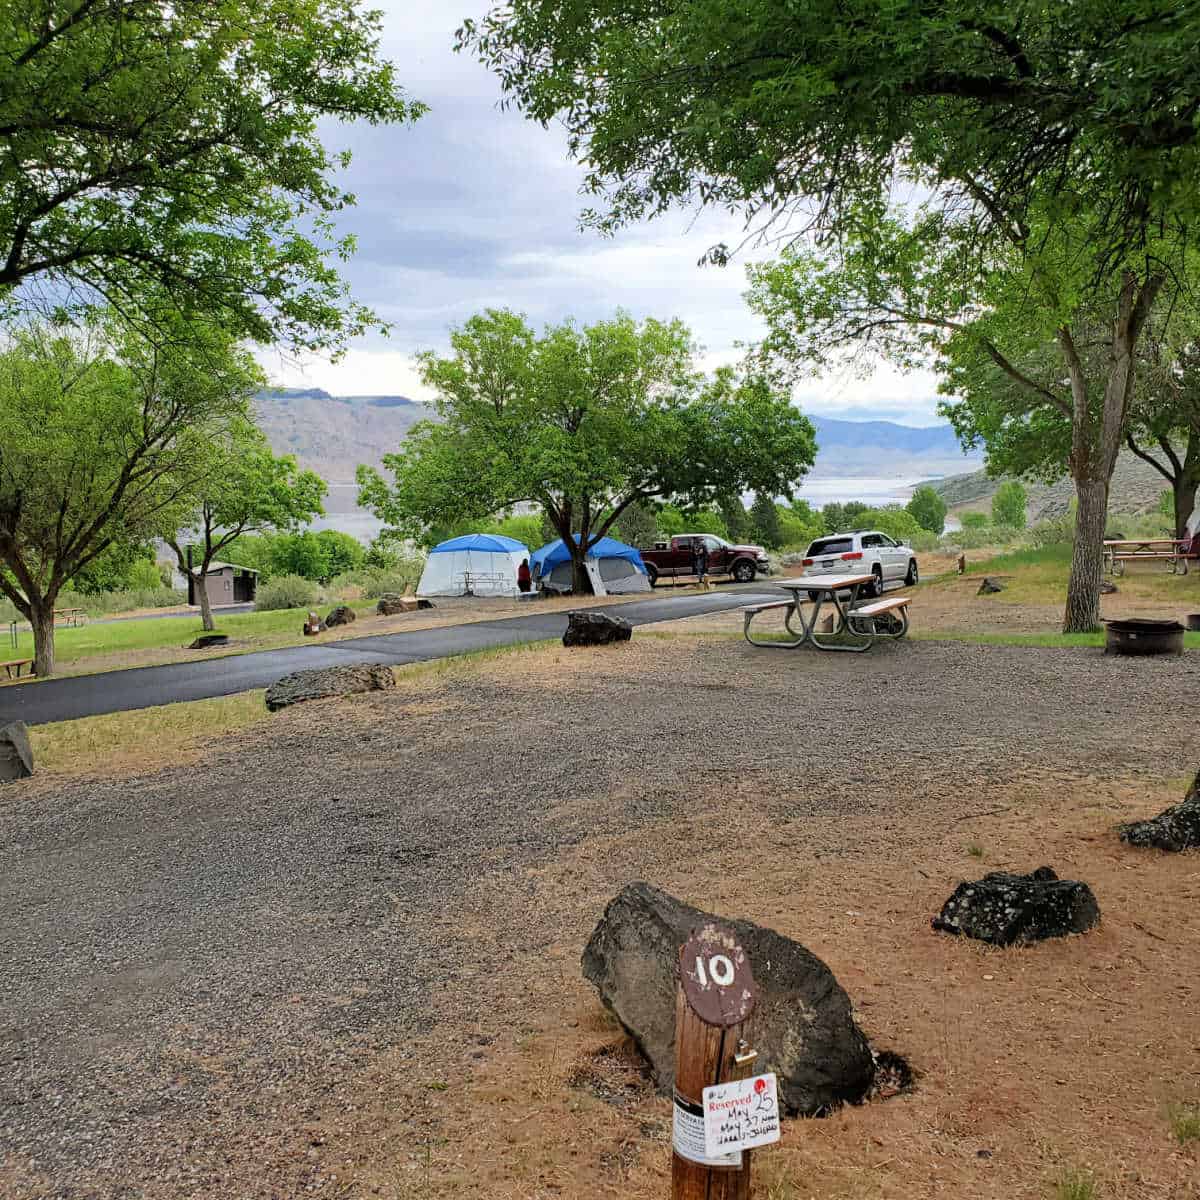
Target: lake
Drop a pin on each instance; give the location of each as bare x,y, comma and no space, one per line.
342,512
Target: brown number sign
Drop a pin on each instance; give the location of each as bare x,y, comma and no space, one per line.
716,977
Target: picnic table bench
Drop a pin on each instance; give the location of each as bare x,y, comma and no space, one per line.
1172,551
868,623
18,663
71,616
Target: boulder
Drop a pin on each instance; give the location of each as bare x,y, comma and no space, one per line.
391,604
207,640
342,615
803,1027
323,682
595,629
989,585
1107,588
1004,909
16,758
1176,828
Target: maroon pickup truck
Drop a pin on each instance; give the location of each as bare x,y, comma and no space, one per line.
675,558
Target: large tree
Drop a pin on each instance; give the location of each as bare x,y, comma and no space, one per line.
583,421
174,148
1060,141
244,489
103,440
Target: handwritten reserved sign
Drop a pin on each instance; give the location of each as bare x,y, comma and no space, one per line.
741,1115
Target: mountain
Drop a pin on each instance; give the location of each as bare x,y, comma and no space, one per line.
333,434
885,448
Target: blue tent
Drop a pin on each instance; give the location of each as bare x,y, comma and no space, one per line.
620,566
485,543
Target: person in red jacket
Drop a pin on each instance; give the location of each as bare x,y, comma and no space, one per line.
524,581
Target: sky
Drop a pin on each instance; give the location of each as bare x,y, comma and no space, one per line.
474,207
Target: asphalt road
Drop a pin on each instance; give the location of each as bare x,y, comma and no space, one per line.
76,696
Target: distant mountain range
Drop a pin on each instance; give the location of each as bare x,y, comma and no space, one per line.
333,434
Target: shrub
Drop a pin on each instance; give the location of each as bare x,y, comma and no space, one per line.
974,520
1008,505
925,542
928,509
1055,531
1185,1122
285,591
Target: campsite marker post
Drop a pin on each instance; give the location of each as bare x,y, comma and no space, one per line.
714,1000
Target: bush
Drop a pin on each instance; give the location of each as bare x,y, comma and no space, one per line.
974,520
1008,505
928,509
925,542
285,591
1055,531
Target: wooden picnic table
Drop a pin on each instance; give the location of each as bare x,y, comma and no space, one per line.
71,616
860,623
1172,551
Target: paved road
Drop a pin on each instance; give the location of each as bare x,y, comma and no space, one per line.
146,687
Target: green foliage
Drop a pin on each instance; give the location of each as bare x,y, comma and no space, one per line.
1054,531
735,518
178,154
928,509
1008,505
1185,1122
583,421
1073,1183
122,565
799,525
765,526
285,591
526,528
637,525
974,520
1166,503
303,554
893,520
672,521
342,552
841,518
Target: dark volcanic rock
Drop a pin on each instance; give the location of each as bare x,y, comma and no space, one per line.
324,682
1004,909
803,1028
16,758
207,640
989,585
1107,588
342,615
1176,828
595,629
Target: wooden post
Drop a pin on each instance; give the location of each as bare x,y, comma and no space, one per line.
714,1000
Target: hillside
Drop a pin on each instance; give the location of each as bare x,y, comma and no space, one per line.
1136,488
333,434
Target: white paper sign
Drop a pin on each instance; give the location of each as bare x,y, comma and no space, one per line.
687,1137
741,1115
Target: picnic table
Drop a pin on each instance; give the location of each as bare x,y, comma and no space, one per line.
1172,551
868,623
71,616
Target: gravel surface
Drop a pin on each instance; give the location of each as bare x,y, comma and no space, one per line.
195,962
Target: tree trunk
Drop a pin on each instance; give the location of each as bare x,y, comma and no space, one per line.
42,620
1186,483
200,590
581,583
1087,560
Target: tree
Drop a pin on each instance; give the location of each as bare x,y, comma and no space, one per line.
1058,179
245,489
638,525
303,554
765,526
173,149
928,508
736,519
671,521
1008,505
343,551
122,565
103,439
584,421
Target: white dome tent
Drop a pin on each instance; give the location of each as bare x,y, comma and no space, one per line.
476,564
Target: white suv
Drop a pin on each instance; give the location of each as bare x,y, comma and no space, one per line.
860,551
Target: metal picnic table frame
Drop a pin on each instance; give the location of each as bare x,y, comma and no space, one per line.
1172,551
826,587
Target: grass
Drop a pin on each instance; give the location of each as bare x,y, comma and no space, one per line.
975,850
1185,1122
1191,641
144,737
1073,1183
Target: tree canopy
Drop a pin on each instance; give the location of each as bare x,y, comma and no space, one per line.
173,150
928,509
584,421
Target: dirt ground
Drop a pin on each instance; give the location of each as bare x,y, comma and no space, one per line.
340,957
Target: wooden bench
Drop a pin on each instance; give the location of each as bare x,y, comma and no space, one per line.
18,663
895,608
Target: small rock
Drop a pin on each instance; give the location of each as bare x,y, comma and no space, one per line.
342,615
16,758
1107,588
1004,909
324,682
1174,829
595,629
207,640
989,585
803,1027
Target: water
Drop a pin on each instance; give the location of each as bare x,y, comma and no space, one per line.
342,512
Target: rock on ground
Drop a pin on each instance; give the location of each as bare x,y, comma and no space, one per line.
1175,828
803,1028
325,682
989,586
342,615
1005,909
16,758
595,629
206,640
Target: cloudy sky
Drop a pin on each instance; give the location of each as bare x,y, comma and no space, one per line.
473,207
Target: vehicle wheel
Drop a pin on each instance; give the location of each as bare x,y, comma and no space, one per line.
743,571
912,579
877,585
652,574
